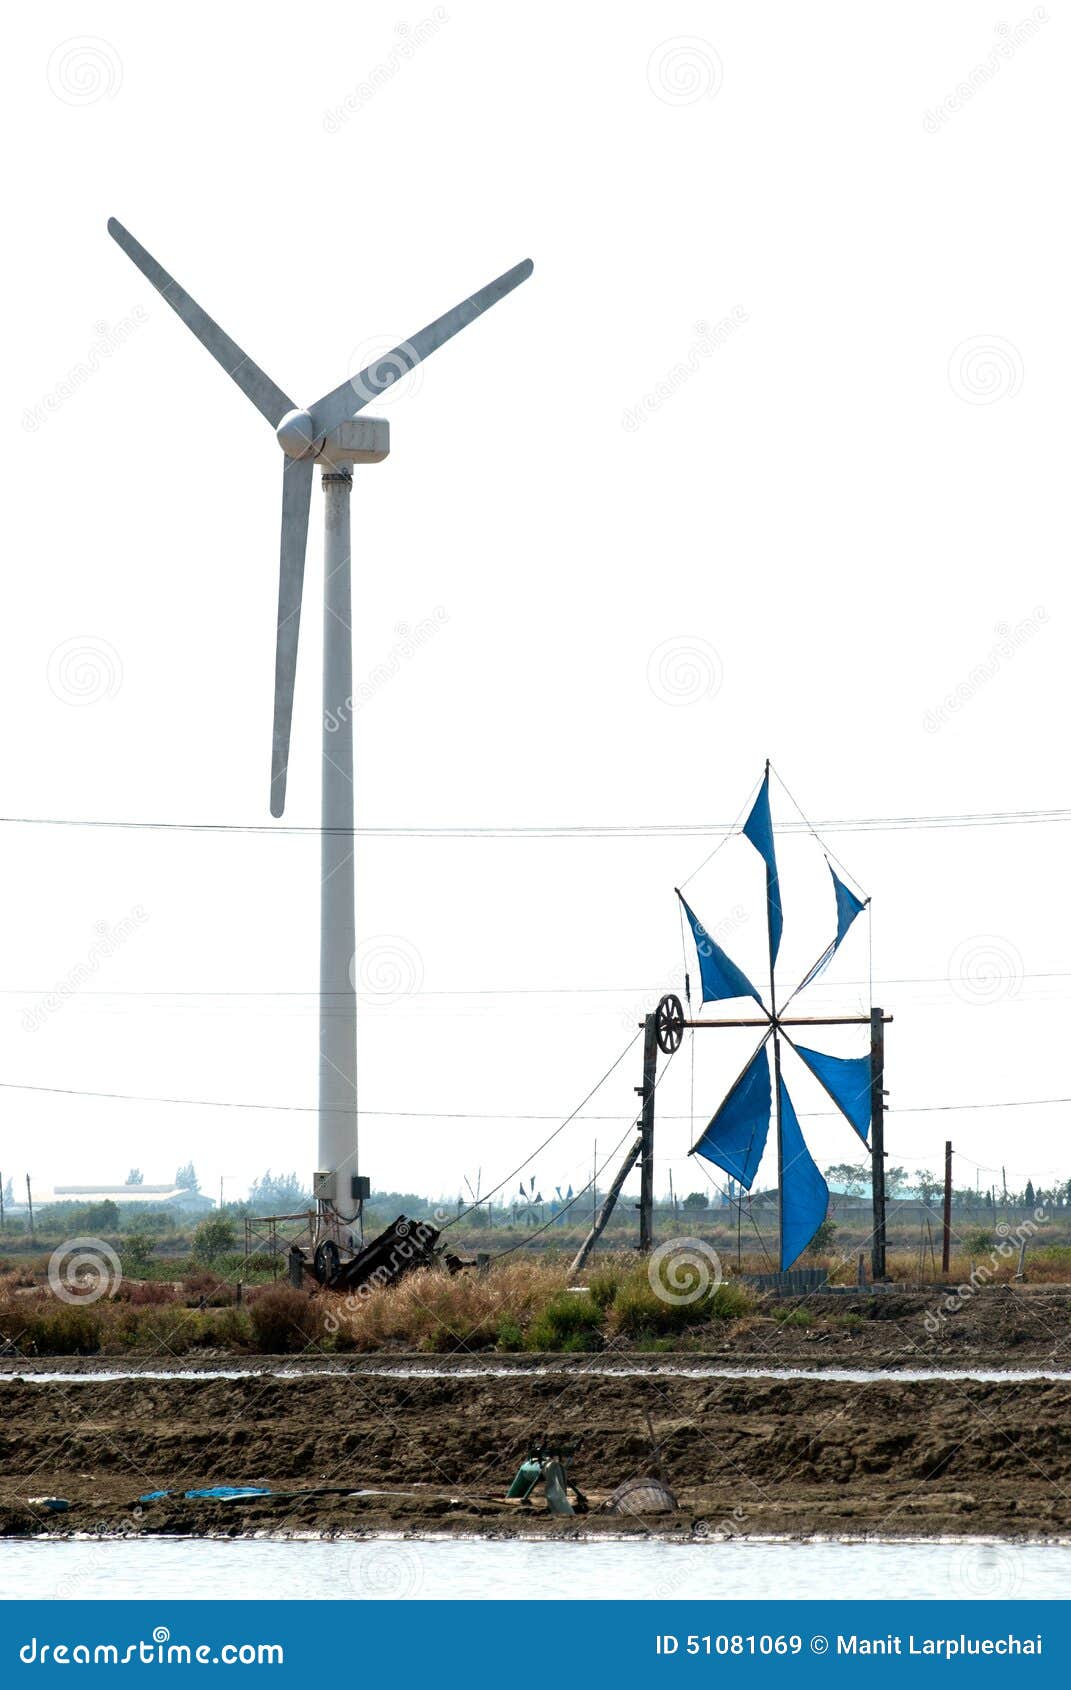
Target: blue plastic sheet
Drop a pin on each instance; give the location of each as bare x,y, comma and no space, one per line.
804,1193
848,907
759,830
718,972
847,1080
736,1137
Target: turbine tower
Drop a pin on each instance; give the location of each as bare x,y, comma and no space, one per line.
330,433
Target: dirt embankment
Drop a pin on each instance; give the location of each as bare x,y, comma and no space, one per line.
745,1456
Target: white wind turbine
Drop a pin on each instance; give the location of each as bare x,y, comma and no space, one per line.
329,434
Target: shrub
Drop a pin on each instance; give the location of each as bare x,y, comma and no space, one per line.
978,1242
204,1289
213,1237
63,1329
794,1317
638,1310
570,1321
285,1320
137,1248
509,1335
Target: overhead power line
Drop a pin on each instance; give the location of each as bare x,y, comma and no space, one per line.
598,830
477,1115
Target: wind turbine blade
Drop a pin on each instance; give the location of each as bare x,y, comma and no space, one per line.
269,400
297,496
360,390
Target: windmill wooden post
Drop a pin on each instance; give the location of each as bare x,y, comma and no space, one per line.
877,1140
647,1097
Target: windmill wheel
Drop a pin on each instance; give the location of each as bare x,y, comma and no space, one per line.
669,1017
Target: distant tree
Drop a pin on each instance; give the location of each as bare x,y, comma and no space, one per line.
1028,1195
278,1193
9,1191
135,1177
137,1248
186,1178
213,1237
822,1242
853,1176
895,1181
695,1200
928,1184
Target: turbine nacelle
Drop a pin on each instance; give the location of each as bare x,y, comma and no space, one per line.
296,434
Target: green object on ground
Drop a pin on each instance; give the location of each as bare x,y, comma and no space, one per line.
528,1475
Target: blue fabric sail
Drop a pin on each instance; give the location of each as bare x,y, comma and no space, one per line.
847,1080
718,972
848,907
736,1137
759,830
804,1193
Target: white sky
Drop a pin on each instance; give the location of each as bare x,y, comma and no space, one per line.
831,515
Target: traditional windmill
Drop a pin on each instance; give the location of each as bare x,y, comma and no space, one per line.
735,1138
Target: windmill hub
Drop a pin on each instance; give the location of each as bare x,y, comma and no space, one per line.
296,434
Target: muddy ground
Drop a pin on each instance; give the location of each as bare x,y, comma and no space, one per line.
750,1456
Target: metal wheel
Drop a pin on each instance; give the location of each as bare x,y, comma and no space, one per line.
327,1261
670,1020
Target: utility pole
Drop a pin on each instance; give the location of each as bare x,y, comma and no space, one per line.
29,1205
877,1141
946,1246
2,1226
647,1091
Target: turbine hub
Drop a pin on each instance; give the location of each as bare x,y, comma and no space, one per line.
295,434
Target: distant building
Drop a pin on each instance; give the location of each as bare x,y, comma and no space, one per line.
146,1196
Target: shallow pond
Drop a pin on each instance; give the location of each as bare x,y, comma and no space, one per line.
480,1568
